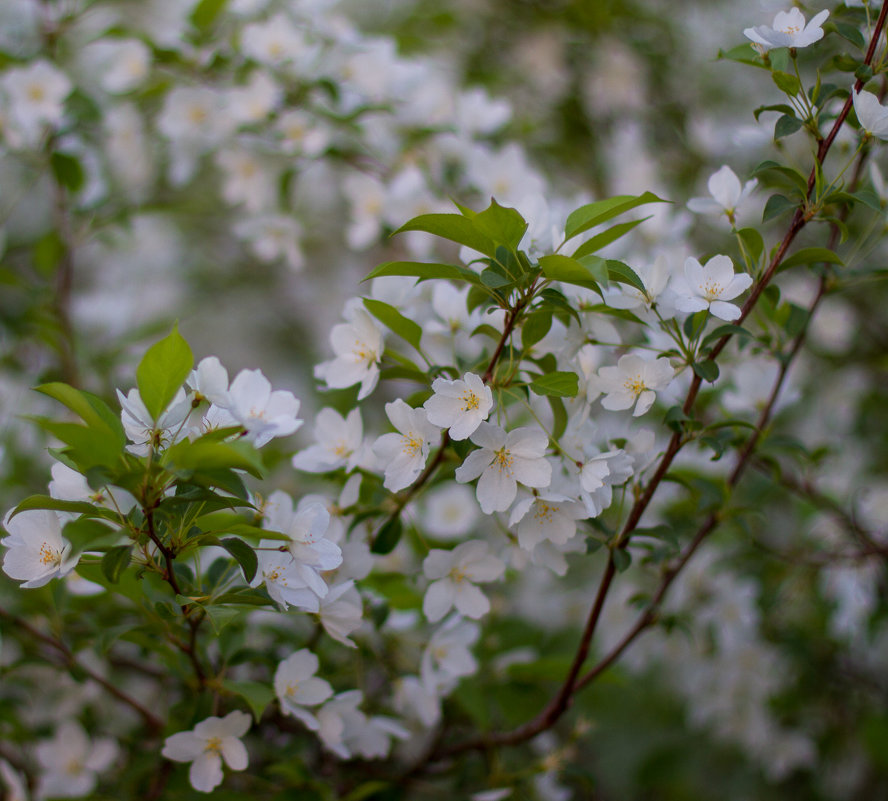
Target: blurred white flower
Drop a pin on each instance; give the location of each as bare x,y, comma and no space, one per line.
297,687
873,116
788,30
70,762
727,194
453,573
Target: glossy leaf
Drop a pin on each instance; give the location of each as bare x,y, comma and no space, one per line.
162,372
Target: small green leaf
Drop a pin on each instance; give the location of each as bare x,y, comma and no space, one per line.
707,370
786,83
48,253
206,12
387,537
753,245
455,228
162,372
535,327
494,280
622,559
624,274
244,554
606,237
90,408
258,696
569,271
744,54
811,256
793,177
424,271
560,384
502,224
390,317
850,32
68,171
115,561
786,126
777,205
725,331
57,505
601,211
202,455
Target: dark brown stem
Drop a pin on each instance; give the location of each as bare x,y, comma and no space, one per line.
152,722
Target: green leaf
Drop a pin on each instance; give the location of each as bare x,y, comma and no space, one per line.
387,537
390,317
786,126
424,271
777,205
87,534
725,330
811,256
850,32
559,416
90,408
202,455
624,274
792,175
502,224
601,211
783,108
244,554
162,372
494,280
87,447
535,326
569,271
606,237
206,12
454,227
744,54
622,559
786,83
753,245
560,384
48,253
258,696
57,505
68,171
367,790
115,561
707,370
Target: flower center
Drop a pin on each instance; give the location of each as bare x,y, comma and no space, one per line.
214,745
36,92
48,556
504,460
635,385
470,400
712,290
412,444
544,512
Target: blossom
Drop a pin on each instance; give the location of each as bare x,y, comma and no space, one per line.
727,194
206,745
37,551
144,431
404,454
306,527
449,512
633,381
447,656
453,573
788,30
460,406
344,729
341,612
285,578
36,95
710,287
502,461
120,64
547,516
296,686
358,345
262,412
872,115
338,443
70,762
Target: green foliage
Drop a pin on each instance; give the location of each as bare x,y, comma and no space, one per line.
162,372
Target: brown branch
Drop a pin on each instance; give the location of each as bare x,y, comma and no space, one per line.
152,722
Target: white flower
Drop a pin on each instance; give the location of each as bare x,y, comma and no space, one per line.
547,516
358,345
788,30
36,95
341,612
873,116
727,194
285,578
449,512
143,431
453,573
655,278
275,42
206,745
338,445
447,656
460,406
69,485
247,179
345,729
633,381
302,133
209,380
262,412
37,551
416,700
272,237
404,454
296,686
255,101
306,527
710,287
70,762
502,461
120,64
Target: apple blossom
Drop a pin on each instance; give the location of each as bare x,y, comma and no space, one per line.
404,454
296,686
263,412
453,573
727,194
710,287
788,30
633,381
871,114
459,406
37,551
546,516
338,443
206,745
502,461
358,345
70,762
